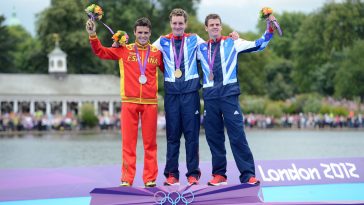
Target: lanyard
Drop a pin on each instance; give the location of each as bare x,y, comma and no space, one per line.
179,58
211,59
142,67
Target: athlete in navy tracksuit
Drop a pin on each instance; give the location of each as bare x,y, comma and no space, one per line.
221,104
182,100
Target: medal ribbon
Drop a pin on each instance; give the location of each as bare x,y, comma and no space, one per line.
94,17
179,59
142,67
276,24
211,59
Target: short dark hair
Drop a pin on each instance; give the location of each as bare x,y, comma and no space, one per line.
143,21
211,16
178,12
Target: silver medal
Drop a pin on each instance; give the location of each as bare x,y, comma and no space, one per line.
142,79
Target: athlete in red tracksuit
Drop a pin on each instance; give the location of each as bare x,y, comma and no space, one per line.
138,96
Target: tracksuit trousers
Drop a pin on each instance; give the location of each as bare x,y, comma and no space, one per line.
182,116
130,115
226,111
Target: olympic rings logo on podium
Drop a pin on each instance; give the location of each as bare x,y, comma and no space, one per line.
174,198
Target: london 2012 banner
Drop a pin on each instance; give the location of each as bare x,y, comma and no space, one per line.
310,171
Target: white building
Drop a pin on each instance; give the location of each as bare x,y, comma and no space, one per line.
58,91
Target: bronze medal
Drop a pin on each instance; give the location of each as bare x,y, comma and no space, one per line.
211,76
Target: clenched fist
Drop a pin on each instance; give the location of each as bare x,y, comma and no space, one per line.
91,27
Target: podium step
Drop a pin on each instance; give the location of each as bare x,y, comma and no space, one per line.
173,195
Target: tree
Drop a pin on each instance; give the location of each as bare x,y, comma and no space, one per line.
27,51
331,29
7,46
350,76
279,79
290,23
66,17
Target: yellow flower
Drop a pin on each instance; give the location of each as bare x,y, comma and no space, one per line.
267,11
115,37
98,10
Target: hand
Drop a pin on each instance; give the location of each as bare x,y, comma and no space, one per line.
270,23
234,35
91,27
271,18
115,45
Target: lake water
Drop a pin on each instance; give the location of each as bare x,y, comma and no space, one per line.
104,148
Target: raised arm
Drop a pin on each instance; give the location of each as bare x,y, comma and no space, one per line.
244,46
99,50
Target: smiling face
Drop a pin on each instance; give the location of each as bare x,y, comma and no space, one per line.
214,28
142,34
178,25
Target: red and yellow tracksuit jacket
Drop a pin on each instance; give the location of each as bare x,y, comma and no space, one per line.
130,88
139,101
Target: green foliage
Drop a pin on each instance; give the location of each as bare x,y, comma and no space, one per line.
6,47
291,108
278,79
312,104
350,75
274,109
311,99
340,111
331,29
253,104
290,23
67,18
252,72
319,52
87,115
325,109
334,110
160,103
27,54
194,26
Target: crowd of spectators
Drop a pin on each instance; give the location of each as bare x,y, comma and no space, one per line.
302,120
42,122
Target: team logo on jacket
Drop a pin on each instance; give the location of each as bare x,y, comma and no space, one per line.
151,59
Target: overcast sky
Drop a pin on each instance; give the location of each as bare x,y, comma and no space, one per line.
241,15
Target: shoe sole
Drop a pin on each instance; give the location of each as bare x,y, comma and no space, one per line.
256,183
217,184
168,184
194,183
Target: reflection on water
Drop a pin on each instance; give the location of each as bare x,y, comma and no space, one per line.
73,150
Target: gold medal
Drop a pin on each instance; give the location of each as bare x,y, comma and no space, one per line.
178,73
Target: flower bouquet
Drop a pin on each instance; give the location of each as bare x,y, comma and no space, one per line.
264,14
120,38
95,12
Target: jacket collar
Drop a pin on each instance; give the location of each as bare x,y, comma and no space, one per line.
140,46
